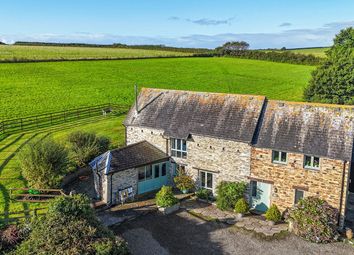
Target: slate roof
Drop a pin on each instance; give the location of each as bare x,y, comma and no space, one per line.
135,155
131,156
315,129
181,113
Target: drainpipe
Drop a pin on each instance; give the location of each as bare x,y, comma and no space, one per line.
341,193
136,98
111,188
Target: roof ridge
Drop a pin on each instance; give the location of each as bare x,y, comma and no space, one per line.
127,146
253,95
327,105
202,92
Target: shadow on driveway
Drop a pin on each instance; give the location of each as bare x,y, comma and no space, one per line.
182,233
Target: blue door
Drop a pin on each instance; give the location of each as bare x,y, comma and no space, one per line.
260,196
153,177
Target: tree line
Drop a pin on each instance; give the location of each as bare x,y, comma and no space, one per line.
118,45
240,49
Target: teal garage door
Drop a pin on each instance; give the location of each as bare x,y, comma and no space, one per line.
152,177
260,196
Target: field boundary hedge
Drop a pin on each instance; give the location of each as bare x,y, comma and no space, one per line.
24,60
274,56
15,125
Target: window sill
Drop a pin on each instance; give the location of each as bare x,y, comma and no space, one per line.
312,168
279,163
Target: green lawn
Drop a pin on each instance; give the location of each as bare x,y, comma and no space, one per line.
31,88
9,52
10,174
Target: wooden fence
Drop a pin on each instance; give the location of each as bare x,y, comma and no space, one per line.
9,217
43,195
44,120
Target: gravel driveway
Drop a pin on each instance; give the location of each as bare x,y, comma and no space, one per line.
182,233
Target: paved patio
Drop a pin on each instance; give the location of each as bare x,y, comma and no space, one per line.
253,223
132,210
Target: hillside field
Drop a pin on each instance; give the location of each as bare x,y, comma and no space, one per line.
34,88
318,52
9,52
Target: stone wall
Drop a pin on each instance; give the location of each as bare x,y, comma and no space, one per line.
325,183
153,136
122,180
227,160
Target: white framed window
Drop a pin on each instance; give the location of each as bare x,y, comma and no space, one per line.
311,162
279,157
206,180
299,194
178,148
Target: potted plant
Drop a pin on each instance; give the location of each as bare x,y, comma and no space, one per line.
165,200
184,183
273,215
241,208
203,194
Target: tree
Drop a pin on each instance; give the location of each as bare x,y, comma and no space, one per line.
85,146
229,47
333,82
71,227
43,163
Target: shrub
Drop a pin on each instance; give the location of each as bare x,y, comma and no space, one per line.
11,236
70,227
108,246
184,182
165,197
85,146
43,163
203,194
273,214
241,206
333,81
228,193
314,219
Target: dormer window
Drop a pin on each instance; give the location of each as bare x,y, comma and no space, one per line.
311,162
178,148
279,157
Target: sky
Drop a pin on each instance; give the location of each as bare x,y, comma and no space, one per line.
182,23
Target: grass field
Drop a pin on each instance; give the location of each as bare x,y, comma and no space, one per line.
9,52
31,88
318,52
10,174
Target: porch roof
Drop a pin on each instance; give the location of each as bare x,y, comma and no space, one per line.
134,155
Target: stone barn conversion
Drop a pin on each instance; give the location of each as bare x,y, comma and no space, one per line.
284,150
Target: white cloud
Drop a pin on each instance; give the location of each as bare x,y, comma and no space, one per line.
322,36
